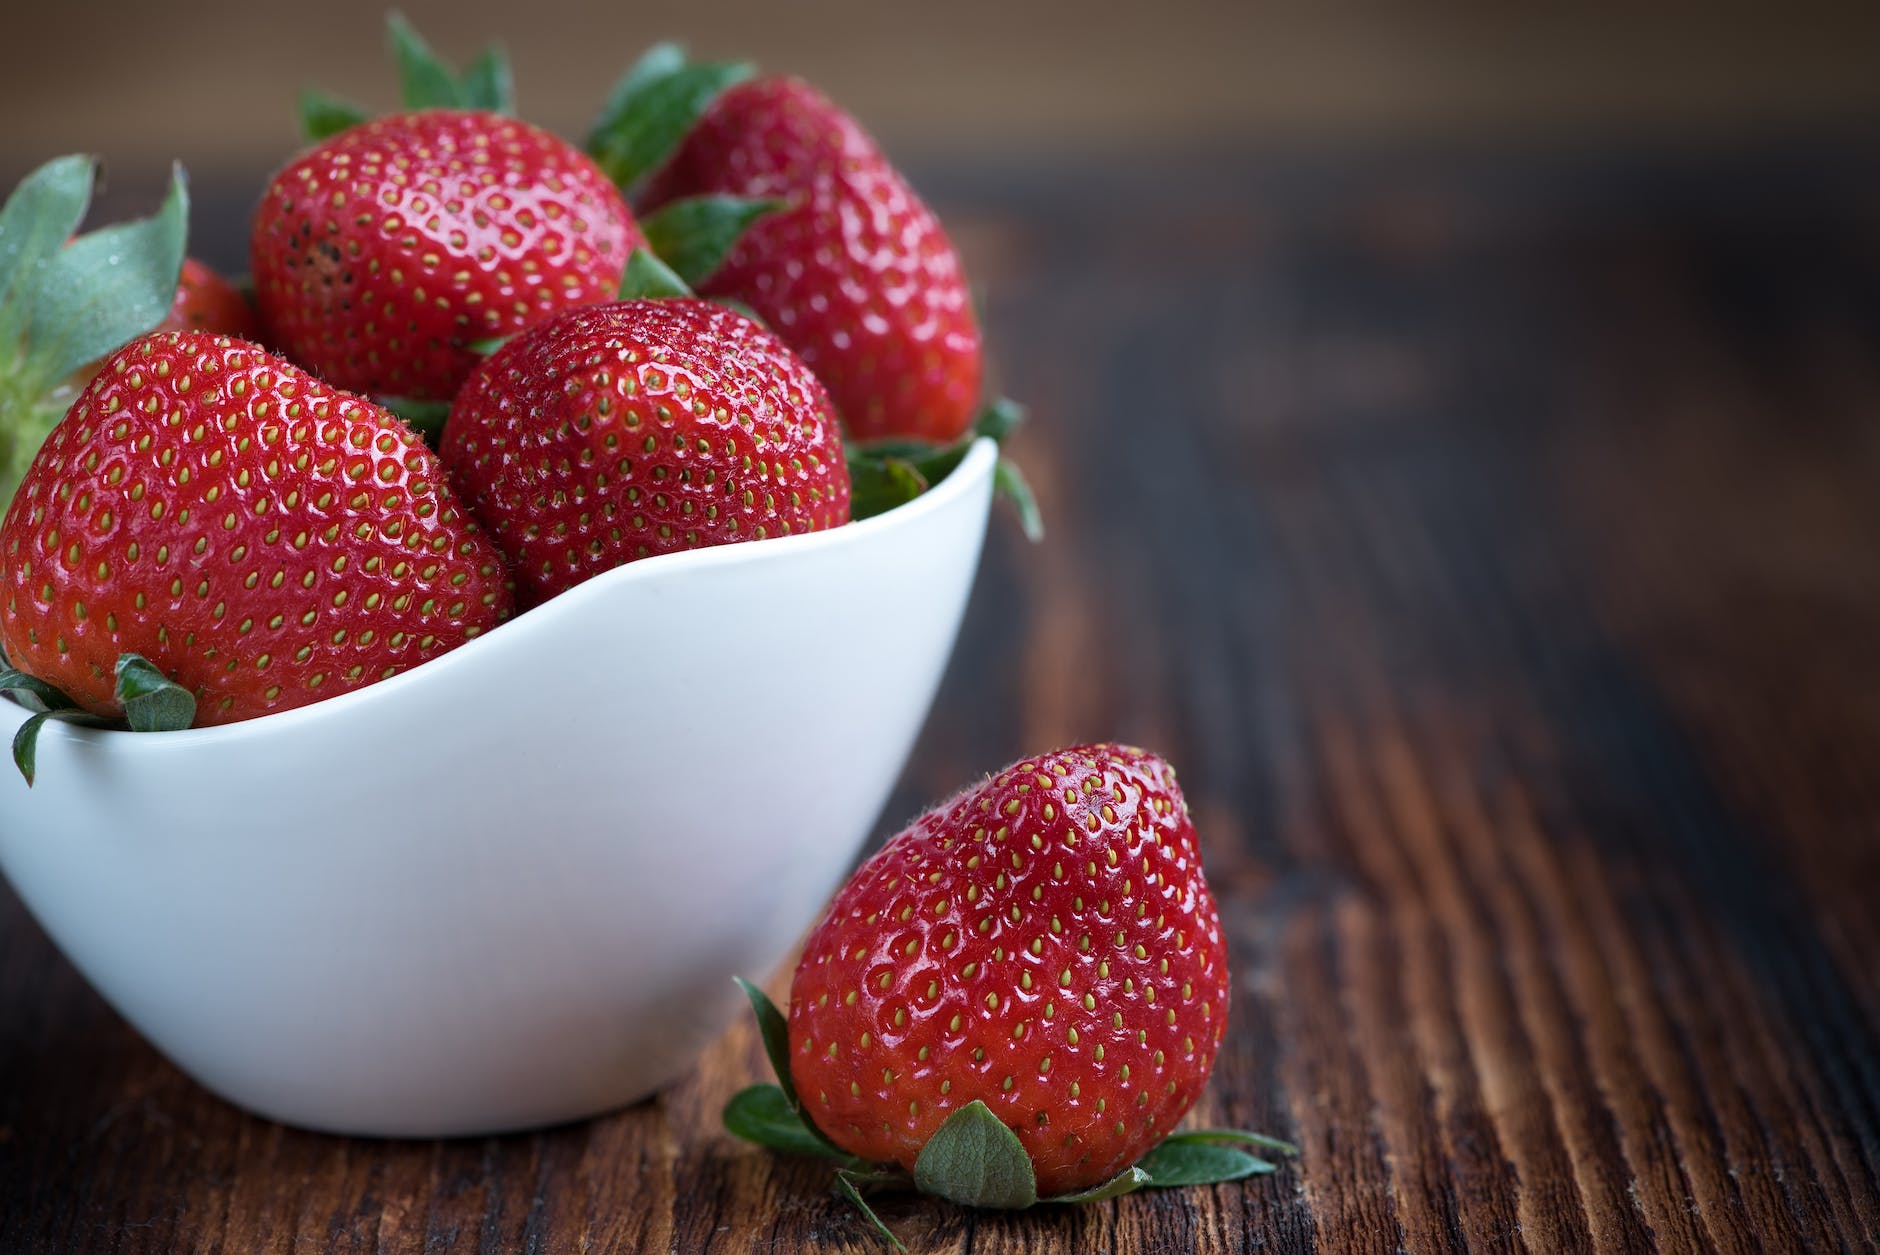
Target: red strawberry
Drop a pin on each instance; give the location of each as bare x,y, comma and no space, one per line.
1043,943
205,301
384,253
616,432
855,273
265,540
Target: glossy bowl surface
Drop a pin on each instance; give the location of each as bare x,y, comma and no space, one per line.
510,887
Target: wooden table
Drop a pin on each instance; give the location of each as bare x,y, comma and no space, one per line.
1496,549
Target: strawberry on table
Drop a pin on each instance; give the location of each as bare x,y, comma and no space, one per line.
263,539
1018,998
616,432
386,252
850,268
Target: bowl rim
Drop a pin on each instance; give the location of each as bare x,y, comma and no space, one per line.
973,469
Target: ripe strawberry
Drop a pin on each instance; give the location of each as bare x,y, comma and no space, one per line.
383,254
616,432
263,539
854,272
1043,943
205,301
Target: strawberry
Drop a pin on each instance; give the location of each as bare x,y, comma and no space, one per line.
263,539
852,270
616,432
205,301
383,254
1016,1000
1044,943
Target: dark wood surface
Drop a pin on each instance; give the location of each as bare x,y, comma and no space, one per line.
1496,550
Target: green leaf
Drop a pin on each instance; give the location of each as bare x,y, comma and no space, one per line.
323,116
152,701
1235,1135
650,110
974,1159
1176,1163
999,419
427,418
879,484
426,80
1010,483
694,235
106,288
26,740
1127,1181
39,217
648,278
489,83
483,348
765,1114
846,1186
775,1032
32,692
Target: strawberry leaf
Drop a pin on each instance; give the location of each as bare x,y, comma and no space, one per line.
846,1185
879,484
775,1032
974,1159
427,418
1009,482
32,692
26,740
766,1115
694,235
39,217
323,116
1176,1163
1127,1181
425,80
652,107
489,83
106,288
648,278
152,701
1235,1135
999,419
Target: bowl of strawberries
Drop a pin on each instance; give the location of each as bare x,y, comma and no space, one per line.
432,682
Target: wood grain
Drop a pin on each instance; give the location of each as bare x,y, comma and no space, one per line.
1496,549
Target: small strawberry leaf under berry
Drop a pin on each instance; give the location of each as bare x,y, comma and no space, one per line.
1236,1135
427,81
766,1115
695,235
848,1185
323,116
1176,1163
1127,1181
152,701
652,107
32,692
647,278
974,1159
64,305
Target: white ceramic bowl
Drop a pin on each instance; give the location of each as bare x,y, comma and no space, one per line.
511,886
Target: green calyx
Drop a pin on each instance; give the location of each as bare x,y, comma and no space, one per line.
973,1158
652,107
884,474
65,305
152,702
426,81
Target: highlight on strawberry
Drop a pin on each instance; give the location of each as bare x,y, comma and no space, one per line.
1016,1000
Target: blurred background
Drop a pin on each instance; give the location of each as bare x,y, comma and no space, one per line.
981,82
